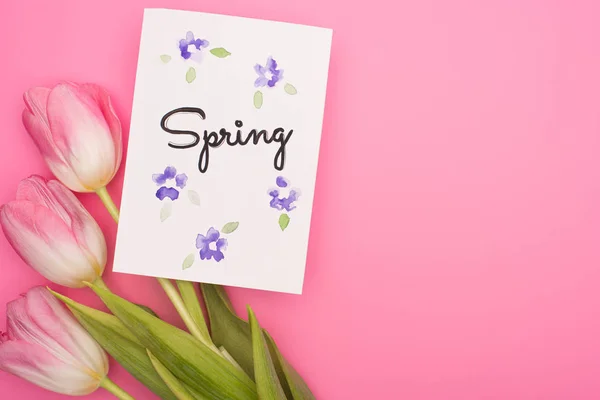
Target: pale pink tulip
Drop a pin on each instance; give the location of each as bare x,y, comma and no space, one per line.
53,233
45,345
77,132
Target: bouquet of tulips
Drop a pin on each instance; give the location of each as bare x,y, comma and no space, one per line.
63,349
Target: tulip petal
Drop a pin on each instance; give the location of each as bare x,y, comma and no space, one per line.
20,326
33,363
46,243
56,323
36,122
35,189
121,344
88,234
102,98
82,135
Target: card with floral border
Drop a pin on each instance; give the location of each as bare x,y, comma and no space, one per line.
223,150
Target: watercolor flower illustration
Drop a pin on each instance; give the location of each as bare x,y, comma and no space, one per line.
165,191
268,76
192,48
212,245
281,203
171,184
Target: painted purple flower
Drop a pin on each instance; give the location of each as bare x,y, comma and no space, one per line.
162,179
181,180
282,182
163,192
211,246
190,47
268,75
283,203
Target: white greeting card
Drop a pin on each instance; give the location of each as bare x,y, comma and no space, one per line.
223,150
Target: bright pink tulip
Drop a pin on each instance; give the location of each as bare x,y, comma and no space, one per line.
45,345
77,132
53,233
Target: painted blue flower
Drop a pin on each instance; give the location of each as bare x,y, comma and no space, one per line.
283,203
190,47
211,246
161,179
268,75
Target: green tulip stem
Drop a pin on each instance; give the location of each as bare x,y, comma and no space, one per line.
115,389
108,203
177,301
99,282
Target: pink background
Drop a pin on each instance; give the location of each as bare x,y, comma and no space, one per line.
454,248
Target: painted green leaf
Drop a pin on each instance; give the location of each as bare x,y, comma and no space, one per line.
165,58
220,52
265,376
120,343
194,197
166,210
230,227
192,362
188,261
258,99
190,75
290,89
233,333
284,221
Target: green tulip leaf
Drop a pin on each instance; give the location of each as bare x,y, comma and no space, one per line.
230,227
190,75
227,329
265,376
233,333
220,52
147,309
192,362
188,261
258,99
120,343
284,221
290,89
192,304
299,389
165,58
170,380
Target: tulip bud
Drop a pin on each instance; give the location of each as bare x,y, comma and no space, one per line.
53,233
77,132
46,346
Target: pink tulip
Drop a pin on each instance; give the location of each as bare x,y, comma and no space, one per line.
45,345
53,233
77,132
